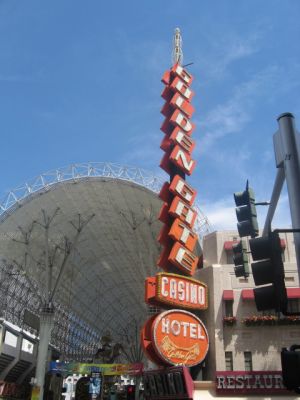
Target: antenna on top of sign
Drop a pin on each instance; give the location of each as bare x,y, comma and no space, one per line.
177,54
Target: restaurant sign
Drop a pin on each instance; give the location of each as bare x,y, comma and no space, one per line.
176,291
249,382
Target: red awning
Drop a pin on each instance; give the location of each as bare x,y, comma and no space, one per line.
283,244
228,244
247,294
293,293
228,295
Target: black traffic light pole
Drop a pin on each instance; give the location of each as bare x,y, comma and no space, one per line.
279,181
287,157
288,231
290,361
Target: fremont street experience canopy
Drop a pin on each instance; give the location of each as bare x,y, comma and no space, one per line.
100,288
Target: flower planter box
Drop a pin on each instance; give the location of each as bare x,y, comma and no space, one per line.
269,320
229,321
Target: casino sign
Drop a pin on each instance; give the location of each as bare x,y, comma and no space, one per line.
176,290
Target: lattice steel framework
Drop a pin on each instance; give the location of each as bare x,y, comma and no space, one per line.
74,172
74,337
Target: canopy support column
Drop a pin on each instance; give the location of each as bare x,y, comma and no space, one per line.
46,325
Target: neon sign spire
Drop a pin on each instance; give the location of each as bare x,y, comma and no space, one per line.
177,54
176,336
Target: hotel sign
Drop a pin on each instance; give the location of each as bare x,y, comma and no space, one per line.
250,382
175,337
180,338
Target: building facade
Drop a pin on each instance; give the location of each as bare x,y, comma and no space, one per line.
241,338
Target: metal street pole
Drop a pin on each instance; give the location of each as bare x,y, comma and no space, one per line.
291,163
46,325
279,181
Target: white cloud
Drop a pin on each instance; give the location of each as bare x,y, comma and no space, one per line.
141,152
282,216
232,116
223,120
226,51
227,54
221,214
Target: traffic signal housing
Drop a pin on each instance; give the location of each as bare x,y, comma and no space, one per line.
240,259
268,270
290,363
130,392
246,212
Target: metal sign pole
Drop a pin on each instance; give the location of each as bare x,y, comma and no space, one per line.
279,181
290,161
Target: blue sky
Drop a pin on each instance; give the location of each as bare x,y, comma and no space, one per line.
80,81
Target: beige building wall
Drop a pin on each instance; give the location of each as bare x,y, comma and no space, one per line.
264,342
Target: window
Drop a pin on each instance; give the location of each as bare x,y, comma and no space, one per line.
10,339
27,346
228,308
152,310
248,361
293,305
289,279
229,255
228,361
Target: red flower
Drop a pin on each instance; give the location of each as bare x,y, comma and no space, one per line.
229,320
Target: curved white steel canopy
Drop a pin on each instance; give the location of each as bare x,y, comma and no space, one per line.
102,286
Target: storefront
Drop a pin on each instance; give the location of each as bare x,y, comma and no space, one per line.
241,385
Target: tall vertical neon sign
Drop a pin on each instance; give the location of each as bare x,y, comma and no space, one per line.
176,336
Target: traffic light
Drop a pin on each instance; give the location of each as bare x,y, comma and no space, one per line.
290,363
268,270
240,259
246,212
130,392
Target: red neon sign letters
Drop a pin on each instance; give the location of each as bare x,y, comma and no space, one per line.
177,336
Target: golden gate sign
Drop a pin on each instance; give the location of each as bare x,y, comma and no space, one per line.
176,337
